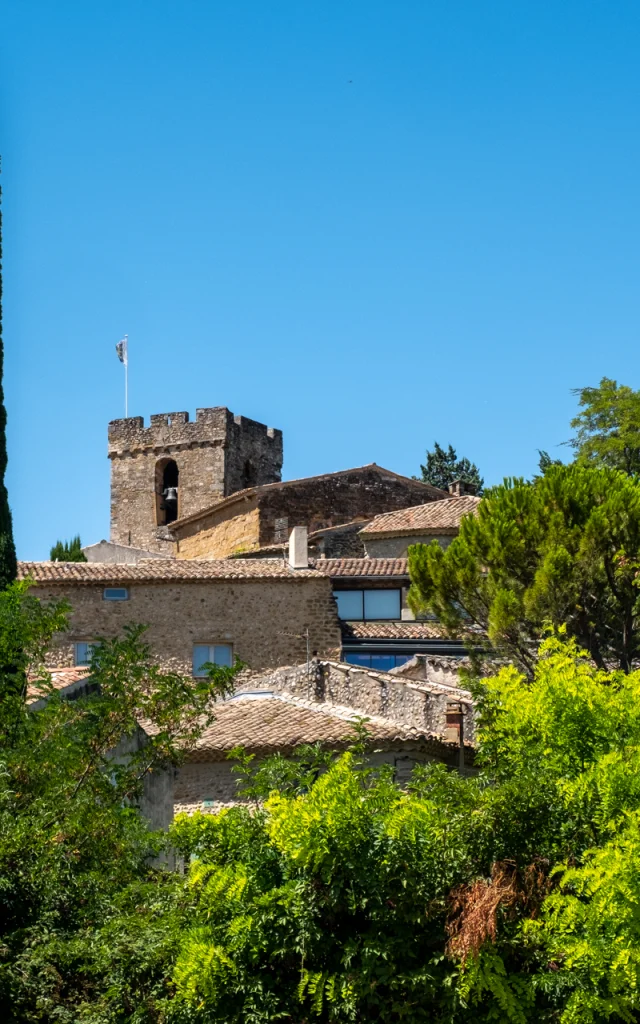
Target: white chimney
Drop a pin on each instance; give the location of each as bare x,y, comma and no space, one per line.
298,548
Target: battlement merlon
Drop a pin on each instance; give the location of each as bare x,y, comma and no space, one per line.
211,427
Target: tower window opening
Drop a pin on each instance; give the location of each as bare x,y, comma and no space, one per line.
167,490
249,475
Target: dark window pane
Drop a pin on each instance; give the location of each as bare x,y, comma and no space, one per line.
382,604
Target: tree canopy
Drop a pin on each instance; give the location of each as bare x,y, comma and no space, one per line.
608,427
561,550
71,839
68,551
443,467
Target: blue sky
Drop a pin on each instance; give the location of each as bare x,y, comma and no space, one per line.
371,224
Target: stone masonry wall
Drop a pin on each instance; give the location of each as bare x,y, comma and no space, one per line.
317,503
214,454
258,617
396,547
420,705
229,537
338,498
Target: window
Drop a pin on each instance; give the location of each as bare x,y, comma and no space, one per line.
83,651
115,594
218,654
355,605
381,662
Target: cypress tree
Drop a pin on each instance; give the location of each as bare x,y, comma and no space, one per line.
8,563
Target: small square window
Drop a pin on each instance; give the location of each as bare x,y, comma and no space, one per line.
115,594
218,654
83,652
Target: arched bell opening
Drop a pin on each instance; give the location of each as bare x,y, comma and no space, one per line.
167,491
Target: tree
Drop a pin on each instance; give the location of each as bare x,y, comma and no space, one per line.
8,563
545,461
443,467
73,846
608,428
561,550
69,551
343,898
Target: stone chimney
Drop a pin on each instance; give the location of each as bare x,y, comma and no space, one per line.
459,487
298,548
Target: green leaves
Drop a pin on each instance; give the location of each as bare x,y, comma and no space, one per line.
563,550
443,467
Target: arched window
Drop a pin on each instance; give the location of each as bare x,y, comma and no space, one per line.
167,491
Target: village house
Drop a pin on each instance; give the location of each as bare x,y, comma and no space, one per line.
265,612
408,723
390,534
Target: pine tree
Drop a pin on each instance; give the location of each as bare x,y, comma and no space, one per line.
69,551
8,563
444,466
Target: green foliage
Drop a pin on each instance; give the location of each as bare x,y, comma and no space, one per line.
545,461
69,551
8,563
74,850
562,550
608,427
330,894
443,466
348,900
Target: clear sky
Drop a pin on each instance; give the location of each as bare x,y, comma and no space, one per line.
372,224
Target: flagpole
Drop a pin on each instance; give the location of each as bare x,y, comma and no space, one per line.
126,376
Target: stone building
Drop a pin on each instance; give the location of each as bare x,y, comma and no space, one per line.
378,628
175,467
389,535
409,722
262,516
264,612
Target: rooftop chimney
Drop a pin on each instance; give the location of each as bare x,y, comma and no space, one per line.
459,487
298,548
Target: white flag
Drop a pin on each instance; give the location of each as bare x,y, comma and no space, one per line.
121,349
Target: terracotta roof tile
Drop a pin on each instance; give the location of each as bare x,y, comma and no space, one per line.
337,567
394,630
434,517
269,722
160,570
60,678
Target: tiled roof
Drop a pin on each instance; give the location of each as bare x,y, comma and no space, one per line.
336,567
393,630
434,517
59,678
160,570
434,492
279,722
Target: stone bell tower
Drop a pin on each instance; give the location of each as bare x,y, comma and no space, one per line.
175,467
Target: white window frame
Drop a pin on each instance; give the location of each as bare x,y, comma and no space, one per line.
90,645
211,657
